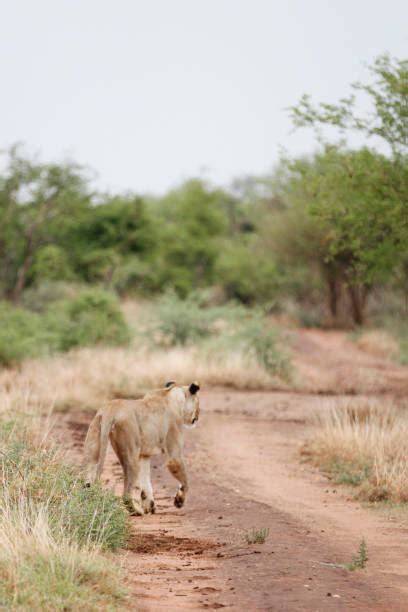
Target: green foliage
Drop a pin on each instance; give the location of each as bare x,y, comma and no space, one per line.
22,334
37,202
343,472
179,322
39,297
260,338
388,116
217,331
345,214
192,220
248,276
94,317
51,263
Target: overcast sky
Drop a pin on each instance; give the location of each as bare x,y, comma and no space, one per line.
151,92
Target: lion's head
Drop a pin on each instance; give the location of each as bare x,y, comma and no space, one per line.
188,397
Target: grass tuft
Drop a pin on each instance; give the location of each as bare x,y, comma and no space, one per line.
256,536
359,560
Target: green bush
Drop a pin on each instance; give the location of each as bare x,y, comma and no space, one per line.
174,321
94,317
39,297
51,262
22,334
245,275
261,339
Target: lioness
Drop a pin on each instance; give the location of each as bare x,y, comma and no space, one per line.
137,430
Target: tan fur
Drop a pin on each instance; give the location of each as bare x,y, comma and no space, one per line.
139,429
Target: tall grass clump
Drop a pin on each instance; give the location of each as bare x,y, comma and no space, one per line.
364,444
53,530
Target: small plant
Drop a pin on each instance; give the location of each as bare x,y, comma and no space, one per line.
359,560
256,536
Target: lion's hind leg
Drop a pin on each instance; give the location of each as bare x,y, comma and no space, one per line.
146,486
127,451
92,450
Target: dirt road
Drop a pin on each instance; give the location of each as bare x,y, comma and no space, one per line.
245,472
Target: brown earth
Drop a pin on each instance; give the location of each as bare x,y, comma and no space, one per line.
246,472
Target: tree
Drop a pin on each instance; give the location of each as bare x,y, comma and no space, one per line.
346,211
192,219
361,195
388,117
36,200
109,233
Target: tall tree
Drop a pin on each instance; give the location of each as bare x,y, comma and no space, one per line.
36,200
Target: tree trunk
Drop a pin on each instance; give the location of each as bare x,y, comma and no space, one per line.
358,300
21,280
334,294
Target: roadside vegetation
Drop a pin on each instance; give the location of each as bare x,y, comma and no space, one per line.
363,444
54,533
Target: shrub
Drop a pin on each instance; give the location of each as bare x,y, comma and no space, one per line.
39,297
22,334
247,276
218,333
179,322
52,262
94,317
261,339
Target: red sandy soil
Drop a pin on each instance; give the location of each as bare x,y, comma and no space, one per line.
246,471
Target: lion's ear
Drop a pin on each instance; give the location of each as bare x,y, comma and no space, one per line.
169,384
193,388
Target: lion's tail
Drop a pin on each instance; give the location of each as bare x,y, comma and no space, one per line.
96,445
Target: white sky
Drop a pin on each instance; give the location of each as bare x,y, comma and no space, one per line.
151,92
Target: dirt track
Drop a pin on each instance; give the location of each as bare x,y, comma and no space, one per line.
245,472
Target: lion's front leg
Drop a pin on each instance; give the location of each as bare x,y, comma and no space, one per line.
177,468
146,486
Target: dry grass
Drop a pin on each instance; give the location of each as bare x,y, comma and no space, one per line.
84,379
365,444
378,343
40,572
52,529
354,378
